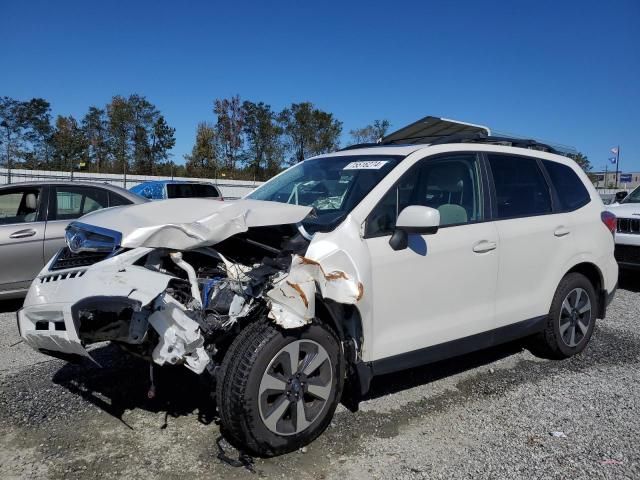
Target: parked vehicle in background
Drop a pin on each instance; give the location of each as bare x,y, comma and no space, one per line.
349,265
33,218
163,189
627,237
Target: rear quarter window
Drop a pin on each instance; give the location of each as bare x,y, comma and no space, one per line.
572,194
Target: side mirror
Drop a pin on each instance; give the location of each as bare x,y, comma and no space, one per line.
620,196
414,219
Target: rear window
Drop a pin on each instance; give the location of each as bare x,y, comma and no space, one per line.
116,200
572,193
73,202
521,190
189,190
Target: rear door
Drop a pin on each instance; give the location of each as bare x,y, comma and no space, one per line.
535,237
66,203
21,236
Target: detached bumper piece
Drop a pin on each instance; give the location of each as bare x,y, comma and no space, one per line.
50,329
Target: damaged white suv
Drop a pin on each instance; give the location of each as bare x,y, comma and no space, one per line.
346,266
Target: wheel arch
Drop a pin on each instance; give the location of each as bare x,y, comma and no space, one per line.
595,276
346,320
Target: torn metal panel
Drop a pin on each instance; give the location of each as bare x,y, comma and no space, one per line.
293,297
188,223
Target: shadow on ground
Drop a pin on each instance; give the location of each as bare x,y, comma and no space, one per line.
10,306
123,384
405,379
629,280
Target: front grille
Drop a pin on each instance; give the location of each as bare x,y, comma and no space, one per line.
62,276
67,259
629,225
627,254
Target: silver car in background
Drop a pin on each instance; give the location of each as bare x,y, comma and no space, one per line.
33,218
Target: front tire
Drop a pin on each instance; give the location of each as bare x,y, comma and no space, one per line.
278,389
571,320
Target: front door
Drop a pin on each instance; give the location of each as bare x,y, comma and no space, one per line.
442,287
21,236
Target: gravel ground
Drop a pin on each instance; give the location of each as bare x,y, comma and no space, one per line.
486,415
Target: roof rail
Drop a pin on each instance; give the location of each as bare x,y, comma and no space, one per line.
359,145
499,140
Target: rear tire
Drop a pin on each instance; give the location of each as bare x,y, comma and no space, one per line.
571,319
271,402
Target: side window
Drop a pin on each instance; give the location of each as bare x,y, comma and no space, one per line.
19,206
451,185
521,189
73,202
116,200
571,191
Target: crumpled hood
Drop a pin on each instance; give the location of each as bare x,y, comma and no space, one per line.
188,223
625,210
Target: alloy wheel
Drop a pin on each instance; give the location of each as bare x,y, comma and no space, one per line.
575,317
295,387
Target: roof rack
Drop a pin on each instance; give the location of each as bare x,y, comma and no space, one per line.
429,129
436,131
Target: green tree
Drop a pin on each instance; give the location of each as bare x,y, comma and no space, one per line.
229,124
96,130
371,133
162,140
309,131
203,160
264,149
582,160
25,131
139,136
70,144
120,123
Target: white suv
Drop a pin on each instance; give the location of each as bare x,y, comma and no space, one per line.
346,266
628,230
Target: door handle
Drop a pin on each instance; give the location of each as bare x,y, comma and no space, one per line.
29,232
561,232
484,246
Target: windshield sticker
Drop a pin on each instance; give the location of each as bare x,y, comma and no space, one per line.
366,165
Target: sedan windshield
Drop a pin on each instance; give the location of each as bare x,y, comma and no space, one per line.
633,197
333,186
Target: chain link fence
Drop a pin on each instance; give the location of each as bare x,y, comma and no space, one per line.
229,188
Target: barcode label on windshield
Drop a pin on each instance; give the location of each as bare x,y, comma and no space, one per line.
366,165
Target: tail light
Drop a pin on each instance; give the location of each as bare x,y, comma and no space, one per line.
609,219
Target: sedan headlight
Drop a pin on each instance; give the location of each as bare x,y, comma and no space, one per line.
81,237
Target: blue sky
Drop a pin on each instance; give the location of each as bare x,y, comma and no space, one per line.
564,71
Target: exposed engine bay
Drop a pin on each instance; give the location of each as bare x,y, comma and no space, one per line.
186,307
212,295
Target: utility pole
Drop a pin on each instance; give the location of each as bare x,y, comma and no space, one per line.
617,164
6,125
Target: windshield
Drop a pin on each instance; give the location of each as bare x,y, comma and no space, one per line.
633,197
333,186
